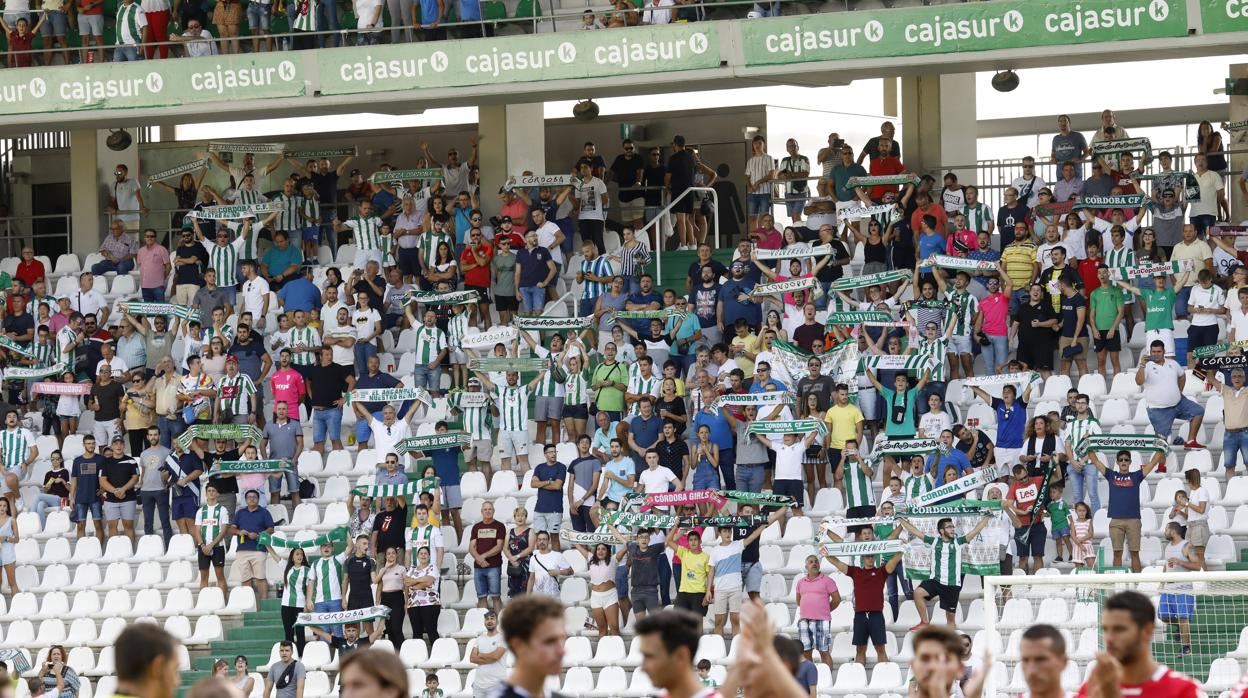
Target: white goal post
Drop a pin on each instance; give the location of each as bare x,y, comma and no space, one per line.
1224,594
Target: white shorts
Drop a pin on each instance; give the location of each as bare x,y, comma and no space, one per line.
513,444
726,602
604,599
104,433
362,257
1007,456
1166,336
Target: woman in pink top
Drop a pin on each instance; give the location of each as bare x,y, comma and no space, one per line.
793,301
153,261
995,308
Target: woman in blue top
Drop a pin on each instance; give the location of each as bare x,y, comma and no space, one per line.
706,468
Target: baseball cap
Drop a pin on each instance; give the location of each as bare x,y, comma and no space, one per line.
231,359
504,219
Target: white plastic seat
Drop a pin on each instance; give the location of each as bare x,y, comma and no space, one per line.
1224,672
87,549
850,678
609,652
86,604
413,653
445,652
316,655
710,647
316,684
610,679
179,627
1055,388
149,548
208,629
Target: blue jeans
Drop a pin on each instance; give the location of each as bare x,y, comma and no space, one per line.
327,422
329,10
363,432
158,500
897,579
488,581
997,353
330,607
631,285
42,502
125,266
363,350
728,467
1018,298
1085,480
758,203
1162,418
122,54
821,303
154,295
1180,301
425,377
750,477
532,298
1203,223
170,428
1234,445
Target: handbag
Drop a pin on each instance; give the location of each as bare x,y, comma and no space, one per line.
515,571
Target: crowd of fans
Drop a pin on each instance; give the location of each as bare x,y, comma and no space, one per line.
634,405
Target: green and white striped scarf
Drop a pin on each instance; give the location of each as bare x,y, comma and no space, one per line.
7,343
548,324
461,399
841,521
660,314
245,467
276,540
1020,378
321,153
231,432
857,317
881,180
854,213
22,373
877,279
428,484
440,297
779,397
960,507
184,312
508,364
1123,442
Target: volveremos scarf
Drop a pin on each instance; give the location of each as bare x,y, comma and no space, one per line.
857,317
798,252
861,548
451,439
176,170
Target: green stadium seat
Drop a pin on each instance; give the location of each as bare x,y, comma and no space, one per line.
493,10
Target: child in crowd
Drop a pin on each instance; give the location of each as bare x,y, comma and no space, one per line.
1059,515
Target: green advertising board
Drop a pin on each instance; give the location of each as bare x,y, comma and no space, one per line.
958,28
141,84
513,59
1219,16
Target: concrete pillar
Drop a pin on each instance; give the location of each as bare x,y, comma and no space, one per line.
86,205
1238,140
938,120
890,97
512,140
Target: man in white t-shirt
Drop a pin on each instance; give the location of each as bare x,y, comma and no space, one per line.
1237,328
788,473
368,13
387,431
87,300
1163,380
656,478
1206,303
255,296
488,656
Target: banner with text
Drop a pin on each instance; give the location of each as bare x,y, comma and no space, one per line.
958,28
515,59
146,84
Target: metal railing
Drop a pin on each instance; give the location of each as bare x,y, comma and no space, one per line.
49,235
662,215
543,14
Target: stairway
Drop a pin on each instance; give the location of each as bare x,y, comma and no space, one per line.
254,638
676,267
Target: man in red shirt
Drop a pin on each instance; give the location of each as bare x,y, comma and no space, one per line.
1127,667
29,269
1088,266
885,165
869,580
475,264
1029,530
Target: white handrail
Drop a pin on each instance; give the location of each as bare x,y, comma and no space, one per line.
658,247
